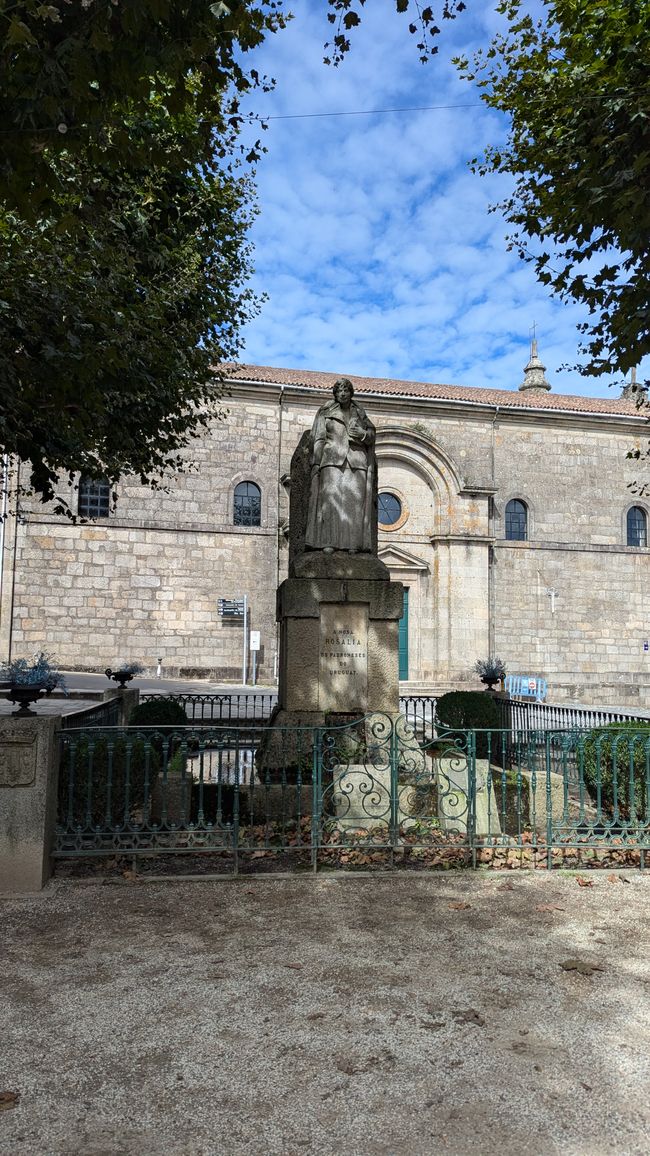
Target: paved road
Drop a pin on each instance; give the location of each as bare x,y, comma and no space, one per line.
79,680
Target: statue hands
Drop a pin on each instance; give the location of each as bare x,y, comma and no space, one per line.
356,433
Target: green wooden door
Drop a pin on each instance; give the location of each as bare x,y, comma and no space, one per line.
403,635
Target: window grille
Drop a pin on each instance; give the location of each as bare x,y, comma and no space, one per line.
247,505
637,527
389,508
94,498
516,521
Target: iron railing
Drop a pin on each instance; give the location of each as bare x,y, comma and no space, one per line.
524,716
105,714
256,707
368,792
243,708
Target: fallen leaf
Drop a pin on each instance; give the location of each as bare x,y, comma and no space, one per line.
581,966
348,1067
131,876
316,1016
295,966
469,1016
508,886
612,878
9,1100
259,854
582,882
459,906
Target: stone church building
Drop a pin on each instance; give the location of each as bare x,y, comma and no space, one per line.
506,514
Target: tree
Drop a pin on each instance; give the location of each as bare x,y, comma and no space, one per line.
115,308
70,68
346,15
575,85
123,256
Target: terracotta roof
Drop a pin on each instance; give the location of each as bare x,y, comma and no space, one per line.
506,398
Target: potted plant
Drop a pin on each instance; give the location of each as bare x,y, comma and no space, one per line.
490,671
124,673
28,681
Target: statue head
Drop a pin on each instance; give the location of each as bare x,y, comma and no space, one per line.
343,391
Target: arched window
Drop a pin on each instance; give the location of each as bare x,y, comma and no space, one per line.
637,526
94,498
516,521
247,505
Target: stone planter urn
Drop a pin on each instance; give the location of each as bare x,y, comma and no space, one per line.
121,677
22,695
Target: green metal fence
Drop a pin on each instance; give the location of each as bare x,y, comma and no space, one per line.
363,793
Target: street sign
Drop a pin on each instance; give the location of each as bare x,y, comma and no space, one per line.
231,607
255,639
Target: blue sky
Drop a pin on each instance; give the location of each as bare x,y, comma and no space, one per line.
374,244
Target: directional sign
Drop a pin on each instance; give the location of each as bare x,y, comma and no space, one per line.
231,607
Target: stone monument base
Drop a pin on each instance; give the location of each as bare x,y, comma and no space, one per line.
338,655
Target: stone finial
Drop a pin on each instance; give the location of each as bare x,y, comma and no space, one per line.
534,373
634,390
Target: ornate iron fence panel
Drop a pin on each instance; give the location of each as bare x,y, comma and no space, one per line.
598,787
355,792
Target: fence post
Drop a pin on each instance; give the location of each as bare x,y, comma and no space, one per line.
549,802
471,792
28,792
317,797
128,699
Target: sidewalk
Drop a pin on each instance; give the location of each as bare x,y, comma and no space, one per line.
339,1016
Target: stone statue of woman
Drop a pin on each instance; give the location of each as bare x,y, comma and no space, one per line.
341,513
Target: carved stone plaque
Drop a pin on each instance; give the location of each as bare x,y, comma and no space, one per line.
18,762
343,665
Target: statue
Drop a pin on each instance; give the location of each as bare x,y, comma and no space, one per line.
341,513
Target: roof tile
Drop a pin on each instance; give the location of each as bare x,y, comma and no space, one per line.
506,398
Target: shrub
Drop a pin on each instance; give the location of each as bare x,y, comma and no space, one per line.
617,758
93,779
158,712
470,710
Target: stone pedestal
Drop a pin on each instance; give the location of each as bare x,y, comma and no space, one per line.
338,648
339,651
28,785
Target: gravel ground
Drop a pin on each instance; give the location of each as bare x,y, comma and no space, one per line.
337,1015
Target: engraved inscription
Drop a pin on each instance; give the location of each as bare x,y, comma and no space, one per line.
343,681
18,762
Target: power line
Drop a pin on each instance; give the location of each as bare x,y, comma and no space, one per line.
366,111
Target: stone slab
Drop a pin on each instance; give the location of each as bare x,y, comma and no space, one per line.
343,657
302,597
453,786
341,564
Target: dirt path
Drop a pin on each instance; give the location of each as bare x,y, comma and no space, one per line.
343,1016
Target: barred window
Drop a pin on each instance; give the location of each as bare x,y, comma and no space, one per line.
94,498
637,526
516,521
247,505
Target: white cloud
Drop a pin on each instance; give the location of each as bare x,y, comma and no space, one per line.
375,244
